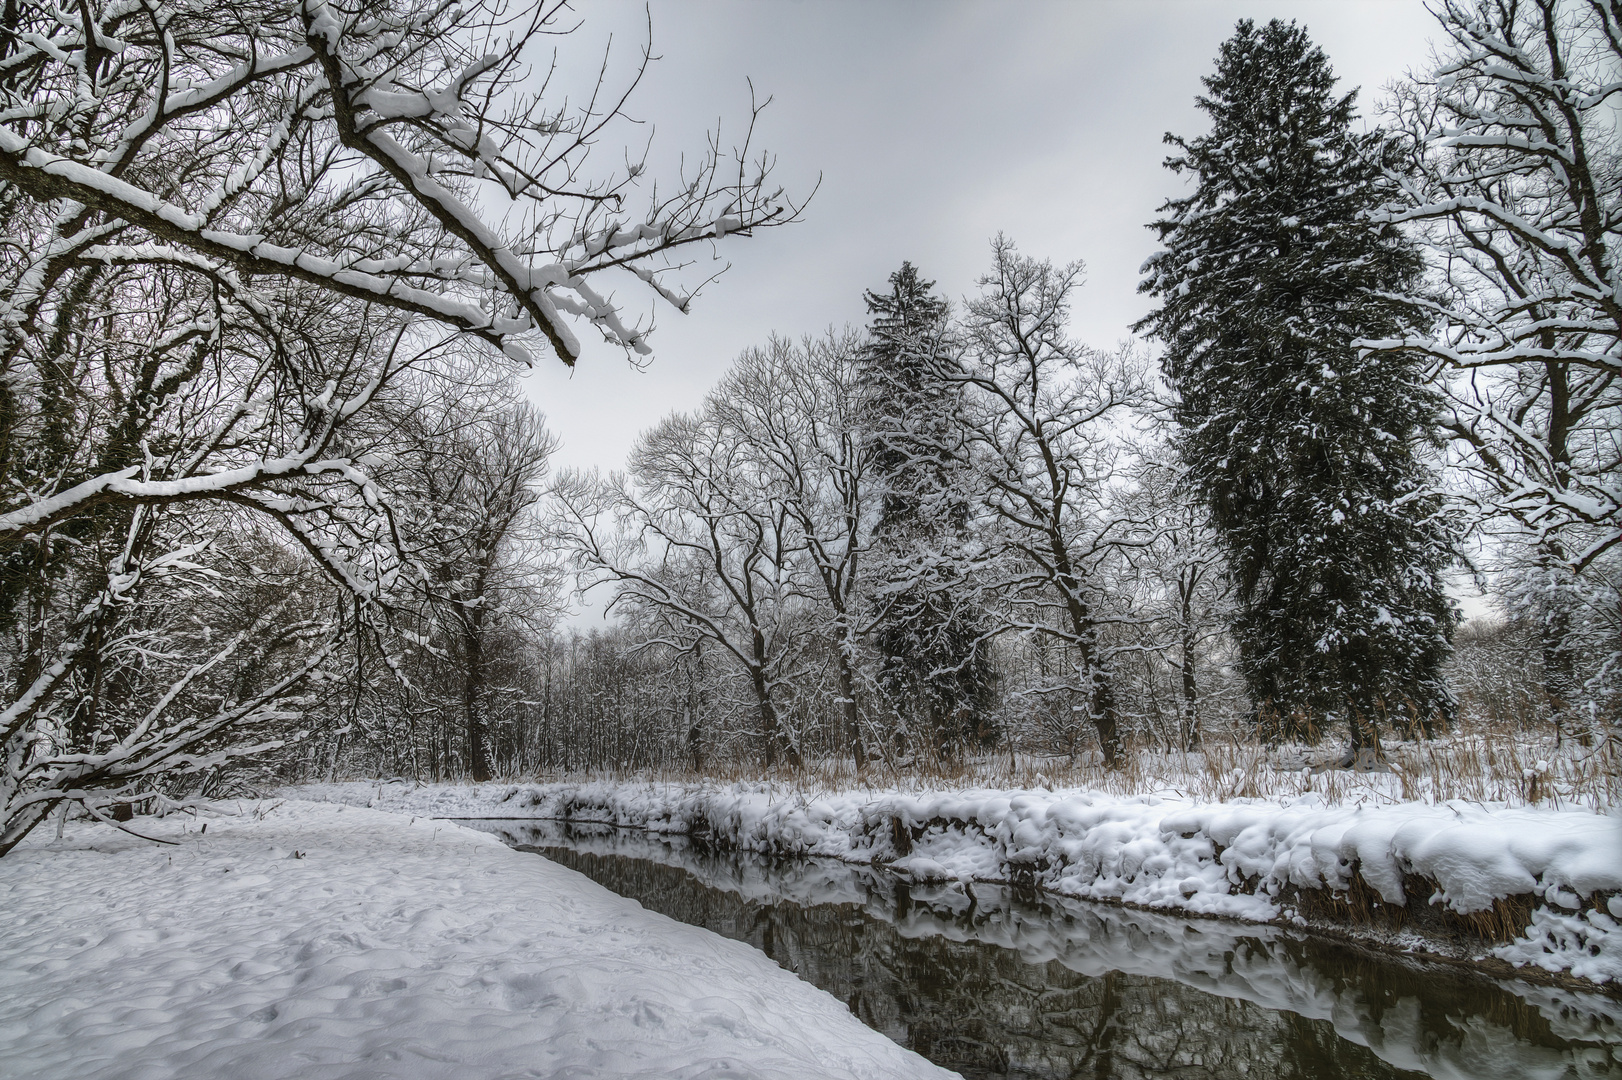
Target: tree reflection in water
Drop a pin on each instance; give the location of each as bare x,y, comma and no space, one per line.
997,984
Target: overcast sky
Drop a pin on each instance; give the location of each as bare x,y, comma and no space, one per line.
932,126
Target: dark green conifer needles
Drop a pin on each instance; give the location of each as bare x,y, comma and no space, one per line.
1308,451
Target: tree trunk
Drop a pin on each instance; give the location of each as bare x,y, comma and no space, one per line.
776,739
1100,694
478,762
695,739
1101,707
1366,753
847,695
1191,716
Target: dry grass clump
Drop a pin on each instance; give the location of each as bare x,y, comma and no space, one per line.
1487,764
1360,906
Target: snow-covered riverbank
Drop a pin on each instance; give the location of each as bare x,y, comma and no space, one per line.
324,941
1534,887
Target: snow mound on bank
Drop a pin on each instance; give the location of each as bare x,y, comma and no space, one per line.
319,941
1235,859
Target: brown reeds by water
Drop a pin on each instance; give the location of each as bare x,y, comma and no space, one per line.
1477,761
1359,905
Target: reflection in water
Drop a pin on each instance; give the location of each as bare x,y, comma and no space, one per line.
997,984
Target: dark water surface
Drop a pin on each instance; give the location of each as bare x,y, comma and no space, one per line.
994,983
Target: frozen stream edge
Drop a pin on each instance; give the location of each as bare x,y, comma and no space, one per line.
1276,970
1247,859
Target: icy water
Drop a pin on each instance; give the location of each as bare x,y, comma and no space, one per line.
993,983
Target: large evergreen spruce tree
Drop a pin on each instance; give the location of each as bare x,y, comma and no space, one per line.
1308,450
935,673
907,399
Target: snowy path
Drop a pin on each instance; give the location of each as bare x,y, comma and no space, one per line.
392,948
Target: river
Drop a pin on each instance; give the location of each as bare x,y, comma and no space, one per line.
996,982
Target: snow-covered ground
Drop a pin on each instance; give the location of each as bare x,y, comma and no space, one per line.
293,939
1237,859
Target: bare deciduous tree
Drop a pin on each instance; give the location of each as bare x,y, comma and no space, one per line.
230,227
798,411
469,460
694,535
1040,423
1181,581
1515,179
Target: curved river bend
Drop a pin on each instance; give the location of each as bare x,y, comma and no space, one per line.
996,984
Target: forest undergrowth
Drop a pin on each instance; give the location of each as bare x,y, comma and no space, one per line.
1477,761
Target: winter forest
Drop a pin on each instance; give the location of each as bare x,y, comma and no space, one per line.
274,510
937,690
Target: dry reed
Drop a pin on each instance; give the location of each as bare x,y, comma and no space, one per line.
1477,761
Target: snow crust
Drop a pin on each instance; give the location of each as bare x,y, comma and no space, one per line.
1230,859
325,941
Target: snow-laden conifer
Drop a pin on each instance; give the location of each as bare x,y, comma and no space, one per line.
1309,451
936,671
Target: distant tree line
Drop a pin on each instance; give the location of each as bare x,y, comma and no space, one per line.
964,531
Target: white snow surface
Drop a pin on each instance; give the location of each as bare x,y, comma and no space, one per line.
1231,859
317,941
